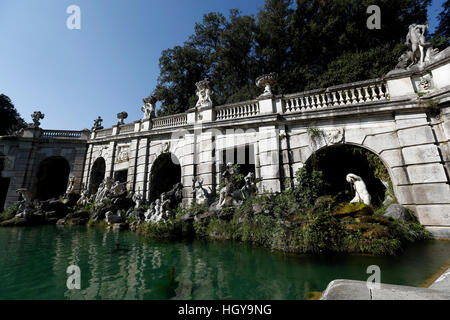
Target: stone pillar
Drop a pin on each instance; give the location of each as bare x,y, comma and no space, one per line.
142,166
188,167
269,164
132,167
109,170
206,162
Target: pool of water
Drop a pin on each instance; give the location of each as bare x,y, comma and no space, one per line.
34,261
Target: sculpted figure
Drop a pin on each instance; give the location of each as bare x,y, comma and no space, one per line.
25,195
36,116
150,212
70,184
361,193
137,198
201,194
250,186
149,107
97,124
84,199
203,93
225,193
165,206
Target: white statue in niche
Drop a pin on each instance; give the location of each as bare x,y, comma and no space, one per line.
361,193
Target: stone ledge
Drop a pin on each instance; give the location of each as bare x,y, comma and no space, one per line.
442,233
357,290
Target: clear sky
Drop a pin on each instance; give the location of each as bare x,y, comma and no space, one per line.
106,67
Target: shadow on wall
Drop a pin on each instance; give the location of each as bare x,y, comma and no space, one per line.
164,175
339,160
51,178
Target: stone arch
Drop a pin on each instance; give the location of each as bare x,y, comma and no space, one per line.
4,183
97,175
164,174
338,160
51,178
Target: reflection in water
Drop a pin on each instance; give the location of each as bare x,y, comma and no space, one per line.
33,264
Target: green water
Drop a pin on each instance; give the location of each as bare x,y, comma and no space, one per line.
33,264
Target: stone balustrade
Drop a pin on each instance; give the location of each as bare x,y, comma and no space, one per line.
337,96
61,134
170,121
126,128
356,93
237,110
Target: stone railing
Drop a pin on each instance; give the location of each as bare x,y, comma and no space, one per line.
337,96
170,121
68,134
126,128
104,133
237,110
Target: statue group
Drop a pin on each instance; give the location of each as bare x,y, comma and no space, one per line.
420,52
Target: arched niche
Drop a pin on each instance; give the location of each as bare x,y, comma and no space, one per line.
51,178
336,161
164,174
97,174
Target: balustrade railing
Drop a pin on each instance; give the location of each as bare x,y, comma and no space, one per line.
127,128
337,96
104,133
61,134
170,121
237,110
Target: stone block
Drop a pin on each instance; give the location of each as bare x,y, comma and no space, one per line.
415,136
434,215
297,141
421,154
426,173
441,77
203,168
381,142
400,87
404,194
268,158
270,172
442,233
400,176
392,158
270,186
431,193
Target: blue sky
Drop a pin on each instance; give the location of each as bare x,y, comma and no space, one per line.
106,67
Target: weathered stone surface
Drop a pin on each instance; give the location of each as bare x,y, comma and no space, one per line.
397,211
431,193
381,142
358,290
439,232
415,136
434,215
426,173
421,154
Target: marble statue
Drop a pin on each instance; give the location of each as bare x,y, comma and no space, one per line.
149,107
202,196
249,187
84,199
97,124
138,198
419,50
36,116
361,193
70,185
203,93
150,213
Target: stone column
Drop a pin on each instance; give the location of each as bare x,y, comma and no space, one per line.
269,164
109,170
133,157
142,166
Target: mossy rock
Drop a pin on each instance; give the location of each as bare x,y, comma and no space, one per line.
368,231
352,210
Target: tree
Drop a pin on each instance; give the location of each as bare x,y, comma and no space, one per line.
10,119
443,29
309,43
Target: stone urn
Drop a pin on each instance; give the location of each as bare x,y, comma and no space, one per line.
122,116
266,82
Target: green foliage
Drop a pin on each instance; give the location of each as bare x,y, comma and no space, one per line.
308,187
237,179
9,213
322,233
443,29
10,119
311,43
